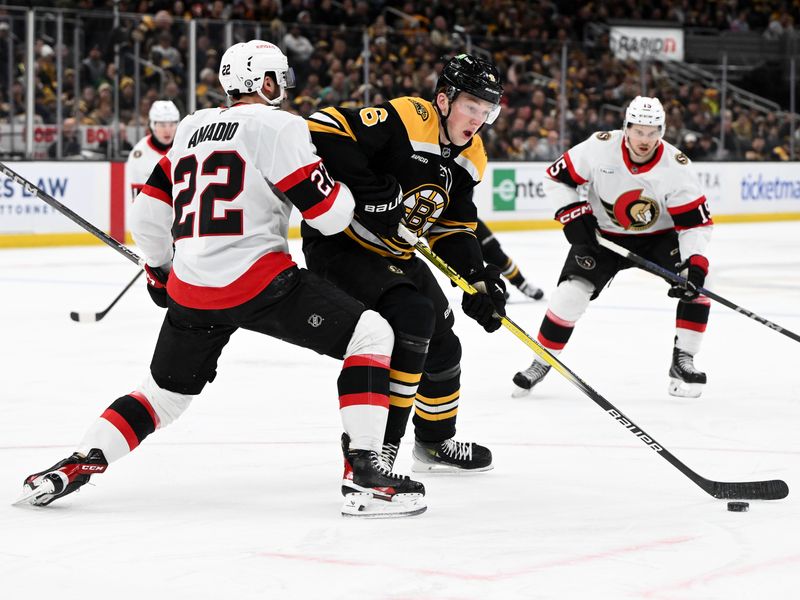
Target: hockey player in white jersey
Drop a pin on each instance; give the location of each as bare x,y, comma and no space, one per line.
642,192
222,196
164,117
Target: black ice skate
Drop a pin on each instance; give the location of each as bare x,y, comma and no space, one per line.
525,380
451,456
530,290
685,380
372,491
63,478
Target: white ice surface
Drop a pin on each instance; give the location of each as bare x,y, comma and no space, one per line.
240,498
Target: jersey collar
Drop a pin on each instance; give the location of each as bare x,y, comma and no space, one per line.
156,145
638,168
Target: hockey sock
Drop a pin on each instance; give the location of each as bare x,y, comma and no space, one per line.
364,382
436,405
690,324
567,305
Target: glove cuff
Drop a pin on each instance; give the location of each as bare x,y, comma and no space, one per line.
699,261
573,211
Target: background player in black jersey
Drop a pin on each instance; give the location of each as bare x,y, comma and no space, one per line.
494,255
219,272
416,161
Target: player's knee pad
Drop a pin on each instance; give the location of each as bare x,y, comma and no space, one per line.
570,299
372,335
167,405
408,312
444,357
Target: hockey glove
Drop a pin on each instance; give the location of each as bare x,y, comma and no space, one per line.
157,283
379,207
694,271
490,299
580,225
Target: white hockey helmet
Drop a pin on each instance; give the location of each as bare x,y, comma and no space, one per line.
243,66
163,111
645,111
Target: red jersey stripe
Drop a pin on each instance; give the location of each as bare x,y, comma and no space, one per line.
365,399
572,172
299,175
122,426
157,194
245,288
149,407
676,210
367,360
323,206
683,324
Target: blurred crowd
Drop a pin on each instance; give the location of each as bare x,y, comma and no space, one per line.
326,40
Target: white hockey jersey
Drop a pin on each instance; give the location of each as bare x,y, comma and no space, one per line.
143,158
628,198
222,195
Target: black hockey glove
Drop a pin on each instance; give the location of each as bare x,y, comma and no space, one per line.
157,284
379,207
490,299
694,270
580,225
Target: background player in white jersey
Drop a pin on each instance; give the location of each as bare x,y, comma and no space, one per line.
164,117
642,192
222,196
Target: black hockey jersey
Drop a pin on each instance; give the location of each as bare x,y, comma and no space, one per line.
401,138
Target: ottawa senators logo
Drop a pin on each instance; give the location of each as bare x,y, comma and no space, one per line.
586,262
632,211
682,158
603,136
421,110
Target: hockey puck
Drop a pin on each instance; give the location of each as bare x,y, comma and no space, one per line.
738,506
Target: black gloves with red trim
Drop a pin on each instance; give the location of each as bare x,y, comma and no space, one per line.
694,271
157,283
490,299
580,224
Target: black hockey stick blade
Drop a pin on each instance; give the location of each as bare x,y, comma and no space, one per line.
86,317
775,489
745,490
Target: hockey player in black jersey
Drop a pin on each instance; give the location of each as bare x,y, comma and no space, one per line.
416,162
494,255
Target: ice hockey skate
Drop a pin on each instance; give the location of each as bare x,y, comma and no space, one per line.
525,380
389,454
685,380
450,456
63,478
530,290
372,491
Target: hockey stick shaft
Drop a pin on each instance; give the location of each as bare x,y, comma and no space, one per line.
70,214
754,490
655,269
93,317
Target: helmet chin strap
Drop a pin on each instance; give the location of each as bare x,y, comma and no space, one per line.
443,117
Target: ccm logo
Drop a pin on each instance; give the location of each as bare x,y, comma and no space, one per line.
576,212
386,206
93,468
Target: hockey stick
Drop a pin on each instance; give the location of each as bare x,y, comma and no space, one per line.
86,317
753,490
71,215
655,269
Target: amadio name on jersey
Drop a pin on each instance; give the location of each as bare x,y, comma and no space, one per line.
213,132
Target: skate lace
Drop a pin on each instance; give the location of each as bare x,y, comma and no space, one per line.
536,371
379,465
686,362
458,450
389,454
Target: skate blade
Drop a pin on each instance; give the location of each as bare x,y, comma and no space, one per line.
520,392
29,494
420,466
681,389
361,505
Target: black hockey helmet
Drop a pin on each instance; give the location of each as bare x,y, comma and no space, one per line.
466,73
